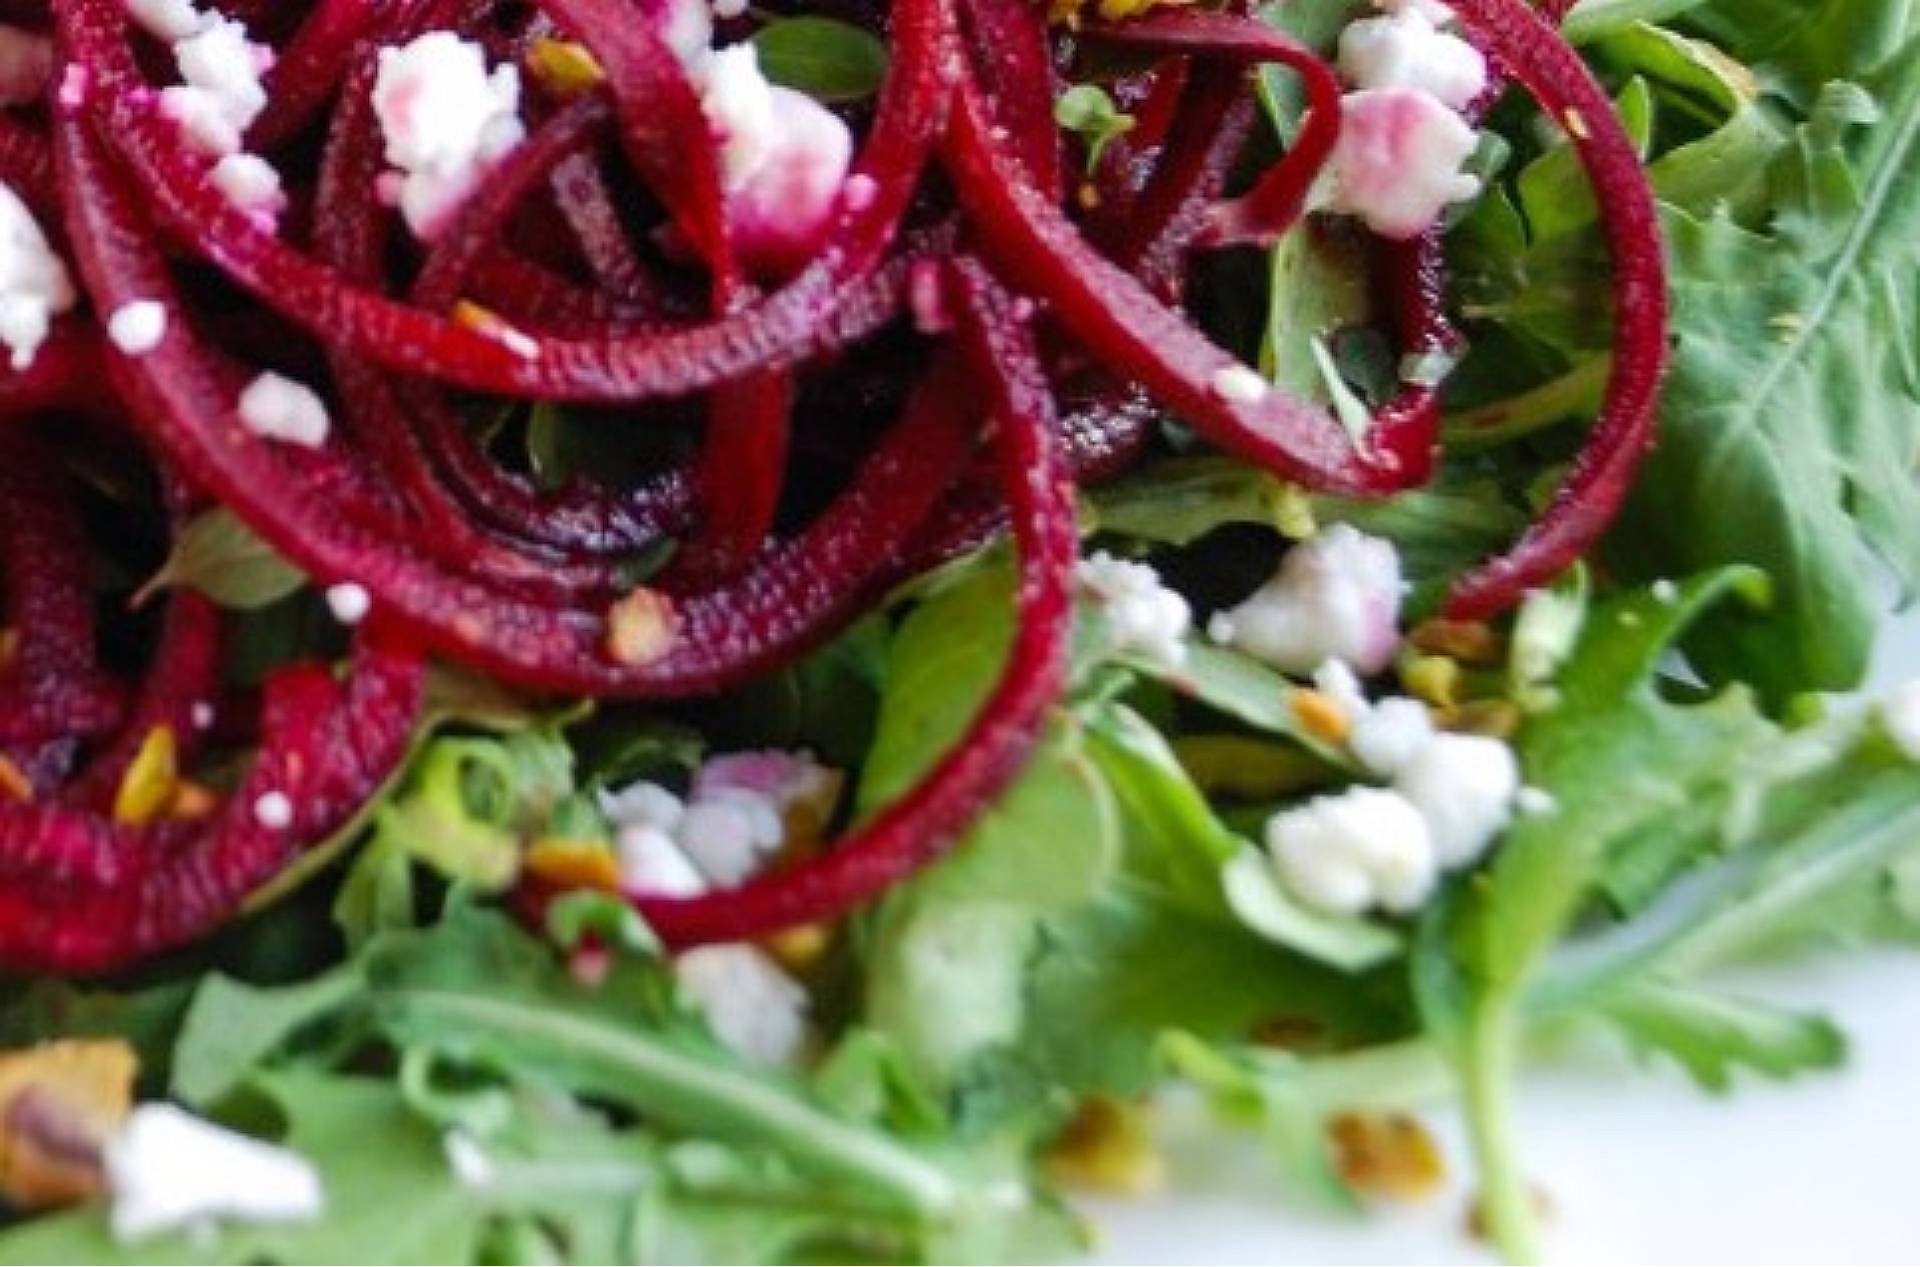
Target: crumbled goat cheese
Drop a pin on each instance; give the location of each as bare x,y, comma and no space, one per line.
652,862
1900,715
445,118
220,94
201,120
729,8
166,20
274,811
220,60
469,1161
1336,597
136,327
752,1006
1399,160
277,408
201,715
738,807
729,835
1336,680
1144,616
642,804
34,284
783,159
1406,50
1664,591
1464,786
251,184
686,26
1239,385
1535,802
1346,854
169,1171
26,66
1388,736
349,602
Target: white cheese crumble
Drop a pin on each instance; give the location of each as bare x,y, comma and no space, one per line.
34,284
445,118
169,1171
783,159
687,28
1346,854
729,8
1900,715
277,408
251,184
26,66
1335,597
201,120
1388,736
166,20
1406,50
642,804
729,835
349,602
1144,616
1399,160
220,94
752,1006
137,326
652,862
1664,591
1464,786
274,811
201,715
1239,385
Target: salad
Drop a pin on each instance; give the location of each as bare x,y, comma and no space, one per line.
658,630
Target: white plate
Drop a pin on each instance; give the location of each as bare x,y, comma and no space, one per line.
1638,1164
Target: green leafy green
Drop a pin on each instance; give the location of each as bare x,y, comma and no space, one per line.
222,558
1787,436
1087,110
823,57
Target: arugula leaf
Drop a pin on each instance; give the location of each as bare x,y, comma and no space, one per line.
1787,437
1668,785
222,558
1805,43
232,1027
822,57
1710,1033
391,1195
1087,110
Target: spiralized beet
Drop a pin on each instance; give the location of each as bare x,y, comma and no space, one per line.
594,265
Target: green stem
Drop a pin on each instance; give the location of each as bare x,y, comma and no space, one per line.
686,1090
1506,1203
1577,391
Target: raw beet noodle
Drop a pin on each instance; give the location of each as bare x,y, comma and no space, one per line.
1019,322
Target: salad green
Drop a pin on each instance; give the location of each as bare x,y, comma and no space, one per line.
473,1091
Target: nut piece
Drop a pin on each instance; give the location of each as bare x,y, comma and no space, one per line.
640,628
563,67
1320,715
59,1102
573,864
1387,1155
1105,1148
